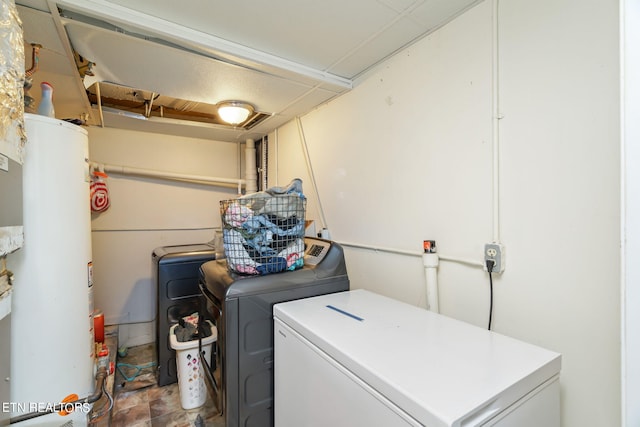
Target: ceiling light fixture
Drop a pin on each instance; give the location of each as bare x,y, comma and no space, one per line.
234,112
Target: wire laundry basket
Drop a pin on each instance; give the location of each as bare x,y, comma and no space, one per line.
264,233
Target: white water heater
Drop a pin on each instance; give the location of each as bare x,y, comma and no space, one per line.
52,324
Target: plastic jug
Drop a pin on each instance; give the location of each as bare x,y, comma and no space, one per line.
46,102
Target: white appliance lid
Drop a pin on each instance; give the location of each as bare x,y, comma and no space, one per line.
441,371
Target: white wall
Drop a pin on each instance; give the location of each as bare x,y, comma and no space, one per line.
407,156
147,213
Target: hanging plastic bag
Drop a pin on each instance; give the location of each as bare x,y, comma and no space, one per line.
98,191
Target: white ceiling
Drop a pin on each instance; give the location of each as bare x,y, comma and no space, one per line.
283,56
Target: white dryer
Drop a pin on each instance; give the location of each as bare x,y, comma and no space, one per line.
360,359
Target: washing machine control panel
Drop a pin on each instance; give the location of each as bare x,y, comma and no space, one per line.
315,250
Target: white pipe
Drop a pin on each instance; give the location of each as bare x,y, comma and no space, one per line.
462,261
379,249
264,154
239,157
413,253
250,174
275,144
495,104
430,262
303,140
126,170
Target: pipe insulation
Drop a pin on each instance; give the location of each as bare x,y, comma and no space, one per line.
251,171
173,176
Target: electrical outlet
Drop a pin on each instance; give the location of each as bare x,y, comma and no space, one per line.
494,252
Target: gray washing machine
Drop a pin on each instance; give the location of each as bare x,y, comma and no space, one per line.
176,272
242,309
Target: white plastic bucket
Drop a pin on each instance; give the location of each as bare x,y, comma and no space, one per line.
191,383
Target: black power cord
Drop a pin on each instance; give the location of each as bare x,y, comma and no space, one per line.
490,264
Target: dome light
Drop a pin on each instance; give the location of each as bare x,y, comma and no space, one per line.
234,112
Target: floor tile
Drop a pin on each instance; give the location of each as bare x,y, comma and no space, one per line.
164,405
173,419
170,391
128,399
128,417
142,403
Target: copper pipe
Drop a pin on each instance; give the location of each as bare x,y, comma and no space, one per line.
35,50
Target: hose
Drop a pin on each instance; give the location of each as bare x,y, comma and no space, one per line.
99,415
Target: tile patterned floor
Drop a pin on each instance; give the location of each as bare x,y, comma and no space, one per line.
142,403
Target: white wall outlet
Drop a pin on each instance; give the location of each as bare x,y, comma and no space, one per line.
494,252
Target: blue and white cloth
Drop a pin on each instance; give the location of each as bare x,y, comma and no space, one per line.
263,232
